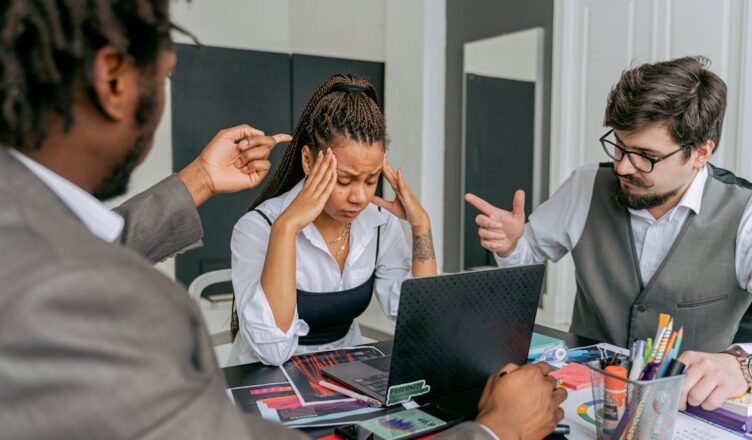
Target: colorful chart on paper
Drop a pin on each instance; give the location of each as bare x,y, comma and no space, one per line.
402,424
304,372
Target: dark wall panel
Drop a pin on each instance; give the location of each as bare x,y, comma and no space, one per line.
215,88
310,71
469,21
499,150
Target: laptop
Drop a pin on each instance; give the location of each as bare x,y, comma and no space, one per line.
452,332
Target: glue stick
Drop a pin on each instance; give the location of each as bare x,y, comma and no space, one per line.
614,398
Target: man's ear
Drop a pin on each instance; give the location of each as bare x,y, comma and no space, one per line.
113,78
702,153
307,158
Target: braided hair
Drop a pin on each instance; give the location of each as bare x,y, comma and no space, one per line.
46,49
344,106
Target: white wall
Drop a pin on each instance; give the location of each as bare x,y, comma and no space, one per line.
338,28
241,24
510,56
414,96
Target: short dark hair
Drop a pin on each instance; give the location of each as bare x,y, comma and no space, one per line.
46,49
682,94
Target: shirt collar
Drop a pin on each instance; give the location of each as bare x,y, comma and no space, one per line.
691,200
100,220
370,218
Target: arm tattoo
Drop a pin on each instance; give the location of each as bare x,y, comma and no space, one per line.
423,247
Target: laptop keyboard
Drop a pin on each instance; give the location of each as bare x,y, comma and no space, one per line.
376,383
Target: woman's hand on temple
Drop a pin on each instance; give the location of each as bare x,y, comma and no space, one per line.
405,205
316,190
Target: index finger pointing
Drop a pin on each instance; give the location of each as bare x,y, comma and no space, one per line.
240,132
279,138
482,205
269,141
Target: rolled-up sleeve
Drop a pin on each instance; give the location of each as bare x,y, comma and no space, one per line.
258,328
393,266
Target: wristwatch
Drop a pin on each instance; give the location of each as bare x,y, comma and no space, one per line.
744,363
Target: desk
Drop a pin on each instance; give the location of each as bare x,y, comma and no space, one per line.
464,403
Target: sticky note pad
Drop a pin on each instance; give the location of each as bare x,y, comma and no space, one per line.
574,376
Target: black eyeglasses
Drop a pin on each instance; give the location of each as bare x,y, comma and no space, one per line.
639,160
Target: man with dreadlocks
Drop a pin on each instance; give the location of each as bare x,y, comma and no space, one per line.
329,247
95,343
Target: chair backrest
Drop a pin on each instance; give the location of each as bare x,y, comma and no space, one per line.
203,281
216,315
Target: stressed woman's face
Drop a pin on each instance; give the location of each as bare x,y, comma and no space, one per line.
358,172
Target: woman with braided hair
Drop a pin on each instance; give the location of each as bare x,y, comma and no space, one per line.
317,243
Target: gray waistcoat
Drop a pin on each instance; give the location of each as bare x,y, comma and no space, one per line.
696,282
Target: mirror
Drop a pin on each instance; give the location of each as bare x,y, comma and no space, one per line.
501,128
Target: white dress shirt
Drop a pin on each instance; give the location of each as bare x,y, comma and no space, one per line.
556,226
316,271
98,218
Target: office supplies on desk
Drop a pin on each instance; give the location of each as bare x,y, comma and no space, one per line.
278,403
339,388
659,350
644,408
741,405
678,342
561,429
675,368
583,355
573,376
734,414
638,359
303,371
636,349
406,424
668,357
614,397
663,321
555,354
539,342
722,417
650,410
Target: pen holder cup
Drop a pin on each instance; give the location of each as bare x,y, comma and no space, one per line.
627,409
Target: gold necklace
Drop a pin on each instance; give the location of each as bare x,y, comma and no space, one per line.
345,230
346,235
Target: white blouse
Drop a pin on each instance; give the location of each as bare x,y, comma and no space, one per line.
259,337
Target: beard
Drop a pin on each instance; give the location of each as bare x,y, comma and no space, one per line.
116,183
634,201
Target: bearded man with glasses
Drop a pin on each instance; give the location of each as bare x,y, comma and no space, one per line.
657,229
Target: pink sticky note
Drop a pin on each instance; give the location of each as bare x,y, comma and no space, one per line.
574,376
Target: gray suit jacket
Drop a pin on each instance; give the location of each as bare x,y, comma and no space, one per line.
94,342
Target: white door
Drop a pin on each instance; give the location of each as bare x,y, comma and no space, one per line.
594,41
